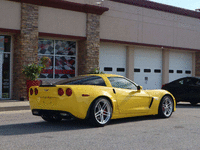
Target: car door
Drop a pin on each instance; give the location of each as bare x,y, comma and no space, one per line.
193,89
179,89
129,99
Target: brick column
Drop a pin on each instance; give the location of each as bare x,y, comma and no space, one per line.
25,48
88,53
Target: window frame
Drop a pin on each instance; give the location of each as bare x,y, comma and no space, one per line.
135,85
7,51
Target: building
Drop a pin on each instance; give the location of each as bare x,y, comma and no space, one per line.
148,42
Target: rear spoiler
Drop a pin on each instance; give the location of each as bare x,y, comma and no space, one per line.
47,85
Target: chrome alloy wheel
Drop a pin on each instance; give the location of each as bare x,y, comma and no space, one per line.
167,106
102,111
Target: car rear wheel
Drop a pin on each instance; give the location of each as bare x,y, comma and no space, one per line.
101,112
51,118
166,107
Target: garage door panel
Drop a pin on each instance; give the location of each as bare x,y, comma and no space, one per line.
180,65
148,67
112,59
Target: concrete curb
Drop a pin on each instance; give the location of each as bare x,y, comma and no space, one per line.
12,105
15,108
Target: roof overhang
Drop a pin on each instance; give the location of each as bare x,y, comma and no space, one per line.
85,8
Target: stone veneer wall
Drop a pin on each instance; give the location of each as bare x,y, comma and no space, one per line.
197,64
25,48
88,50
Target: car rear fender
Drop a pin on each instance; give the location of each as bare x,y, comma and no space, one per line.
91,94
112,102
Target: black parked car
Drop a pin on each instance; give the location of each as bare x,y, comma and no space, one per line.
185,89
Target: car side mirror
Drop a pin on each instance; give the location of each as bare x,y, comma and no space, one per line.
139,88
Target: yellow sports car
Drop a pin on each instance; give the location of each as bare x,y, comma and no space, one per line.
98,98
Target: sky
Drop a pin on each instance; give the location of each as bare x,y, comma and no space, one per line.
187,4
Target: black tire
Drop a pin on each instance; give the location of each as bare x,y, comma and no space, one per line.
101,112
193,103
177,102
50,118
166,107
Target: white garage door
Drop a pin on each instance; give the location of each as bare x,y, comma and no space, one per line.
180,65
148,67
112,59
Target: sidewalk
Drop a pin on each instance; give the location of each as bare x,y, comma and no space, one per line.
10,105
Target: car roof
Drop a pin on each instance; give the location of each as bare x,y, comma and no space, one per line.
184,78
104,75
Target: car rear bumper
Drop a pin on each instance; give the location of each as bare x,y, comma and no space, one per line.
62,114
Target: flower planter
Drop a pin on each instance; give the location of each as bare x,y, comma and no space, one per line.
30,83
32,72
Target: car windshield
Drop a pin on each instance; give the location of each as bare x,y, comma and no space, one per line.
192,81
83,80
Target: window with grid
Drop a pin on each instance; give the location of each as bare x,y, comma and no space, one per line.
63,58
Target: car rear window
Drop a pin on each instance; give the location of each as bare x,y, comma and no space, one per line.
83,80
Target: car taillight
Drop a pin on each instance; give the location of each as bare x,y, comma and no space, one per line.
31,91
36,91
60,91
68,92
162,86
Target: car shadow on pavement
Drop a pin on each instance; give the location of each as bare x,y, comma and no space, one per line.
66,125
134,119
187,105
42,127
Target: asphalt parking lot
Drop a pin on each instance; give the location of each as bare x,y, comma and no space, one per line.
21,130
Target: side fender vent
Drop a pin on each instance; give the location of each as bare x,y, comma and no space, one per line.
114,91
151,102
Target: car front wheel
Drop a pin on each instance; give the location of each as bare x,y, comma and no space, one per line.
101,112
166,107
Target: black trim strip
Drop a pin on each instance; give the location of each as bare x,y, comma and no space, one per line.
107,68
120,69
136,70
157,71
151,102
114,91
187,72
179,71
147,70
